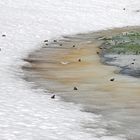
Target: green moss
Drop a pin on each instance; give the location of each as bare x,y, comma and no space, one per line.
125,48
128,42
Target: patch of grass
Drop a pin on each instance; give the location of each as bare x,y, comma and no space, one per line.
125,48
125,43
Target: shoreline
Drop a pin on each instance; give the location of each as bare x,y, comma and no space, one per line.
57,68
105,59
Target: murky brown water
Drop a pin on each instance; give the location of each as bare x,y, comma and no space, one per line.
57,68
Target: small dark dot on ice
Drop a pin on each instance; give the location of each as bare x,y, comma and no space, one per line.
132,63
124,9
97,52
61,44
73,46
53,97
45,40
137,10
3,35
54,40
134,59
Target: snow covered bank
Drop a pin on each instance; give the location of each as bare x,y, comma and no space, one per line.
28,114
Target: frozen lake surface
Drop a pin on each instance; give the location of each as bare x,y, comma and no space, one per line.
29,114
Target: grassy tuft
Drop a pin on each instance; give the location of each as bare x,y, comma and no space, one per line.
125,43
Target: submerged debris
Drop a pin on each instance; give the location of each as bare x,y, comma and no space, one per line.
64,63
75,88
79,60
112,79
97,52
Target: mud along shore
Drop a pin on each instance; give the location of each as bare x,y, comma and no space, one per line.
73,67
